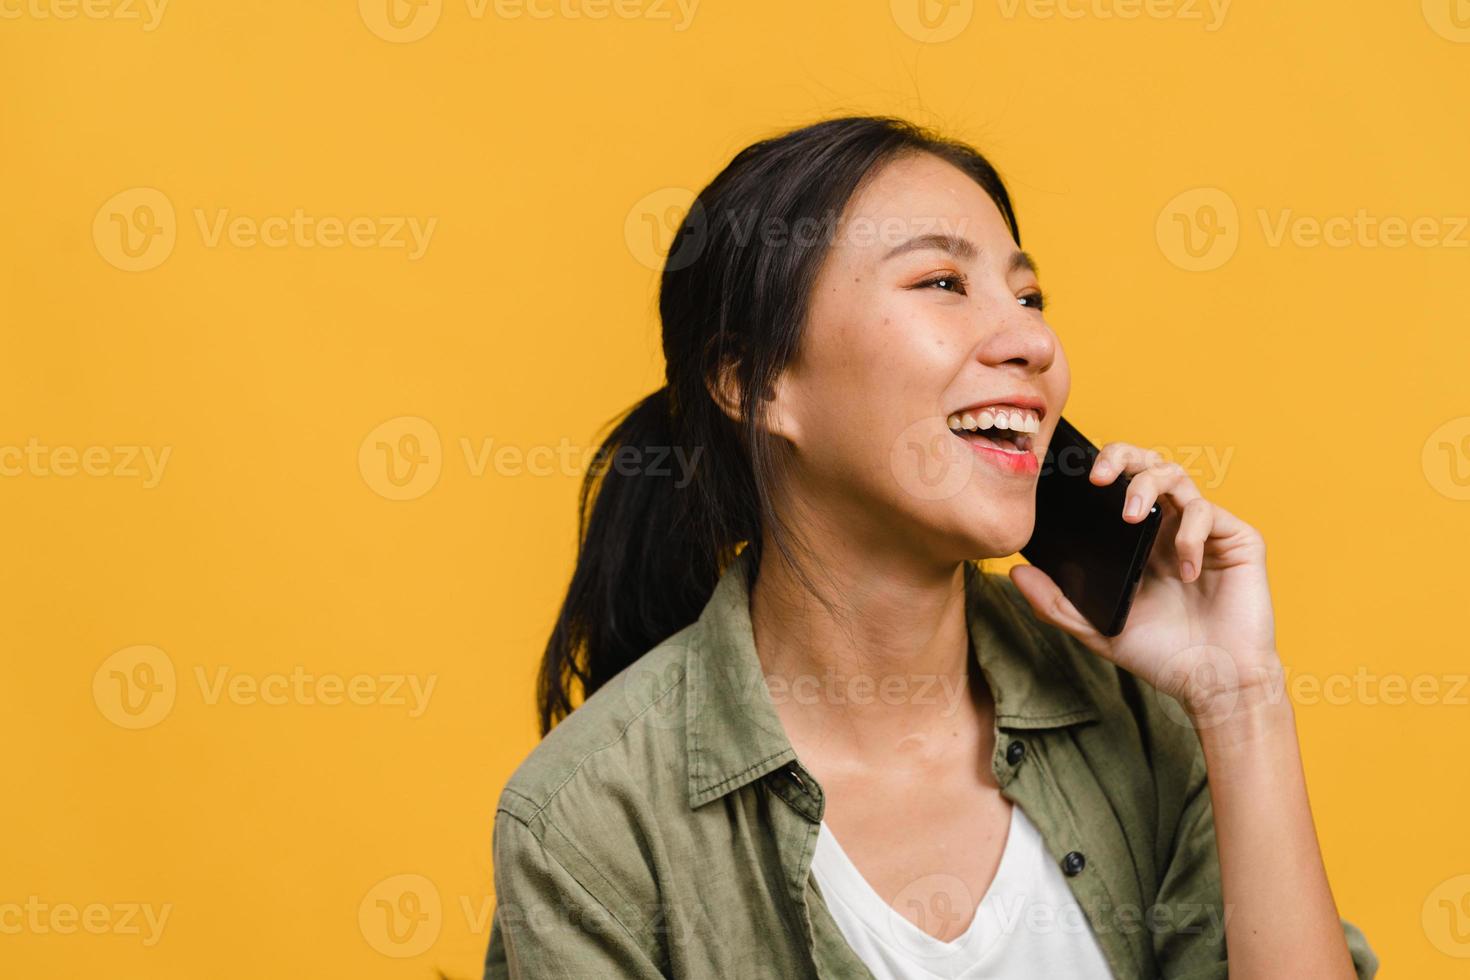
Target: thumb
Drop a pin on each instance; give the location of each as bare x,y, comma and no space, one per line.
1051,606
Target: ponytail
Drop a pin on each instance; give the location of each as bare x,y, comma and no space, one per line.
645,565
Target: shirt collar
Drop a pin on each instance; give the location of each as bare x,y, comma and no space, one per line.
734,735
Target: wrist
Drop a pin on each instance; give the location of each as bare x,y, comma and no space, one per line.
1241,711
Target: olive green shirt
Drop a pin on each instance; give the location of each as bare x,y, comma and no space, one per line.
665,828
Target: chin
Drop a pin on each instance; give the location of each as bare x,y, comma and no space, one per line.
1003,534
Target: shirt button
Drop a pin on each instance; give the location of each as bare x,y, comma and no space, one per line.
1015,752
796,777
1073,863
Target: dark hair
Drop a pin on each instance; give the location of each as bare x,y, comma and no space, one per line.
733,301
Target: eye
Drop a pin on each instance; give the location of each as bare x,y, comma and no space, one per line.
1034,299
949,283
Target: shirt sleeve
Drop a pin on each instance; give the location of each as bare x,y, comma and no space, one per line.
1190,942
547,923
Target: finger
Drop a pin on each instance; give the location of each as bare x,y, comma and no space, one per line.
1051,606
1167,479
1122,457
1233,539
1189,544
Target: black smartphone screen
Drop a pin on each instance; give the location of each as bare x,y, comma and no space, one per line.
1081,539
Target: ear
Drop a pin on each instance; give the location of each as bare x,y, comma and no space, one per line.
725,390
778,420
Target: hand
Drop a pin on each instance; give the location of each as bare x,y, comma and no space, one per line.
1201,628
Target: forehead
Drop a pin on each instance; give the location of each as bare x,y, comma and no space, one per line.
920,194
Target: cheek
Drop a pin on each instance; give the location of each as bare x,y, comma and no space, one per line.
844,350
883,378
872,366
881,395
1059,379
902,349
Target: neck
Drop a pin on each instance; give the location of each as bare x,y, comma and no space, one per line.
890,673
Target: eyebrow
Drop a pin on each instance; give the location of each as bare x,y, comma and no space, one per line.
960,248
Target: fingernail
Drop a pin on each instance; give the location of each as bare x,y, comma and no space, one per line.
1188,570
1135,507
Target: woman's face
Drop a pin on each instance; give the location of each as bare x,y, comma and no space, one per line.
923,310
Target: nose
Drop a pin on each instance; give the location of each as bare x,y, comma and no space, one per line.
1016,335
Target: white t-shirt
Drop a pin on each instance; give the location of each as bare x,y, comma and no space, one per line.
1028,924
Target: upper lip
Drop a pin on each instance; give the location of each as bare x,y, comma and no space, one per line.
1037,405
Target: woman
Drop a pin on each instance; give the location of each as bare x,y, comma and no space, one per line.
818,739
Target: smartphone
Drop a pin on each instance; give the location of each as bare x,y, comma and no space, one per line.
1081,539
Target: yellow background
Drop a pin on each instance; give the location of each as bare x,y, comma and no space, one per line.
548,150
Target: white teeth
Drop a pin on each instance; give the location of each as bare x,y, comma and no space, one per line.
1015,419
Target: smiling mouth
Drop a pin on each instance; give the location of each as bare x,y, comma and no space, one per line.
1005,429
